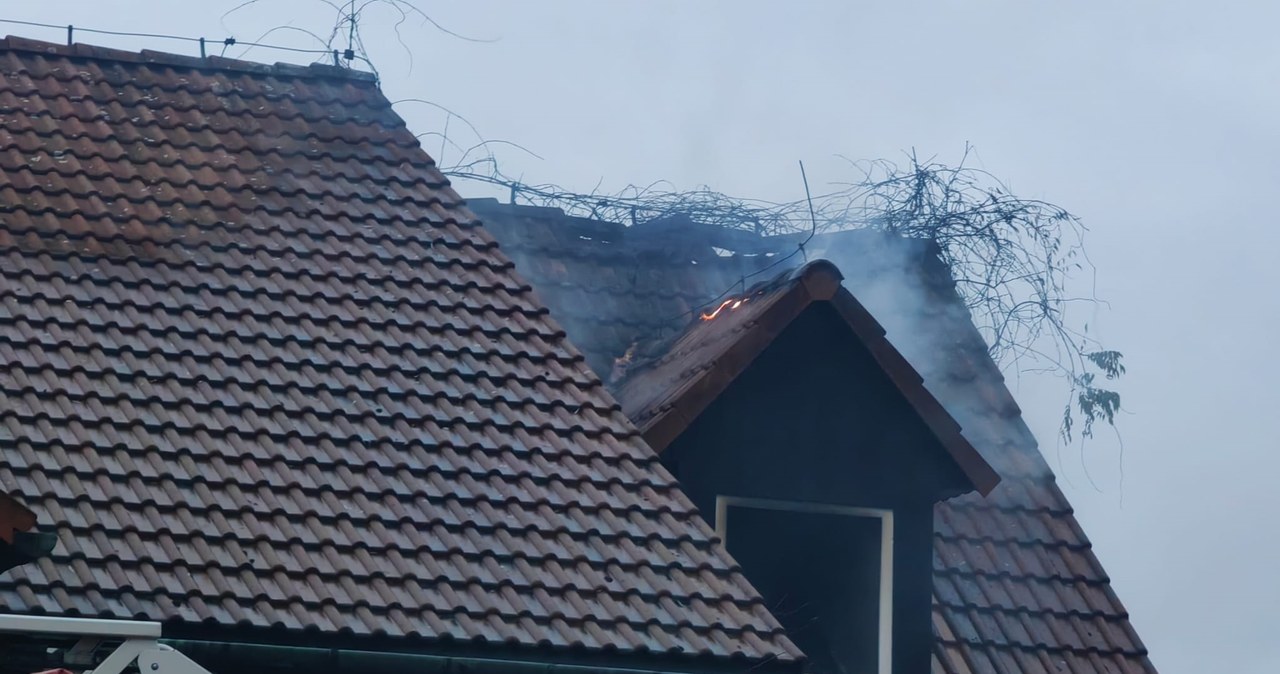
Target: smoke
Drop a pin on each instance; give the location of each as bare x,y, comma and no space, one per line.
910,291
1014,257
623,292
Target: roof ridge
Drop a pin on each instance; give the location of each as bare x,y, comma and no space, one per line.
80,50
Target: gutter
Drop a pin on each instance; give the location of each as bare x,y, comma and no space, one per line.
82,627
223,657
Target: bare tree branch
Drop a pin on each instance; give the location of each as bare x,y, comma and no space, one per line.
1012,258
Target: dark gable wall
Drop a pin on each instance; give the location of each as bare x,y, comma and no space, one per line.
814,419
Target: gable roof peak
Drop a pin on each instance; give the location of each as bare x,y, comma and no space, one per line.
668,394
822,278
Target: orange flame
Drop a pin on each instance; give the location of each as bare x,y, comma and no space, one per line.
729,304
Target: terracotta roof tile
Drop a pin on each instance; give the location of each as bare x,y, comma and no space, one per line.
1017,587
264,369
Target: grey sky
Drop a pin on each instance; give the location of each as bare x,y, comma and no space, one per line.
1154,121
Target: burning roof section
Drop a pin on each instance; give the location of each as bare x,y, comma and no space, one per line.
263,373
664,397
1017,587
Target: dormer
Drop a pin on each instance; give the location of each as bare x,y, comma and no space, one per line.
789,418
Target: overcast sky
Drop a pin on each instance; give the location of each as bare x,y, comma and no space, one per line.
1154,121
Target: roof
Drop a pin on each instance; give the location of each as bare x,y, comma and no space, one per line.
1017,587
265,371
666,395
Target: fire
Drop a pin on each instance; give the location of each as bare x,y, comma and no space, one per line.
623,363
729,304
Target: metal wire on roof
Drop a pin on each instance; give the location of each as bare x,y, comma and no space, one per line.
71,30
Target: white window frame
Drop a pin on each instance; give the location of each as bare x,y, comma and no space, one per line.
884,658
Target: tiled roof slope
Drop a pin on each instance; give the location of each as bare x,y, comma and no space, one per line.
265,370
1017,587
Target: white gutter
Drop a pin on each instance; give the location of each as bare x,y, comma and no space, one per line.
86,627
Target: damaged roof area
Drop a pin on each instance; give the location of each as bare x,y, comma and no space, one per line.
268,375
665,396
1017,587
